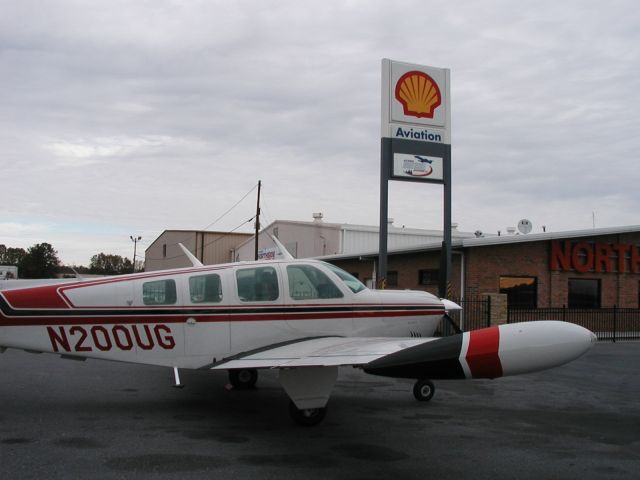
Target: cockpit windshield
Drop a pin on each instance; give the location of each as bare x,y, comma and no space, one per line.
349,280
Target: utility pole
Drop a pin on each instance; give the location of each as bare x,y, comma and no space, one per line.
135,241
257,220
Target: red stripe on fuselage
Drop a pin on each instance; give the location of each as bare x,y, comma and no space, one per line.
482,354
35,297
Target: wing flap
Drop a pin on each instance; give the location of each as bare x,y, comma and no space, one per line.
321,352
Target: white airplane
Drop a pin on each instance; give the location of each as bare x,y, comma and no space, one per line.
304,318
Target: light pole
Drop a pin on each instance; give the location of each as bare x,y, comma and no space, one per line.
135,245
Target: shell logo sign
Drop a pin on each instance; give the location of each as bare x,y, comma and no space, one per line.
418,93
416,122
415,102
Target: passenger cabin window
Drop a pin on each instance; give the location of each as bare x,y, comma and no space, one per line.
205,289
160,292
349,280
308,283
257,284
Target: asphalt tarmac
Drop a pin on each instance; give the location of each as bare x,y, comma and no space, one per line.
102,420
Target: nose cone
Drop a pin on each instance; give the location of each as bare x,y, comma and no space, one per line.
532,346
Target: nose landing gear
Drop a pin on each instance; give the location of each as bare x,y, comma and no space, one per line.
423,390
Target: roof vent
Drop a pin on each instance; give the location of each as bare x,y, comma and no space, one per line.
318,216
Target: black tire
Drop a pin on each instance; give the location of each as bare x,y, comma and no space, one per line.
307,417
243,379
423,390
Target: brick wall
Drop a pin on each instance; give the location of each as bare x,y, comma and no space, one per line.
484,266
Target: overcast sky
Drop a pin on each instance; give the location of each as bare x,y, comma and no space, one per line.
130,117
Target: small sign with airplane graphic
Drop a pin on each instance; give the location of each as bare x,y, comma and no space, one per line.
418,167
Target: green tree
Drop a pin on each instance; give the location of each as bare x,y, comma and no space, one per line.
70,271
107,264
40,261
11,255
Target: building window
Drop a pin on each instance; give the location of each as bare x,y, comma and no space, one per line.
392,279
164,250
522,292
584,293
428,276
161,292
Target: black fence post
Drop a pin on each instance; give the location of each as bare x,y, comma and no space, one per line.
564,313
488,312
615,322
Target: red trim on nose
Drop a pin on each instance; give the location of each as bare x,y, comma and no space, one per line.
482,354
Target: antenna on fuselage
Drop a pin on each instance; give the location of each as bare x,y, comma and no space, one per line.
194,261
78,276
283,251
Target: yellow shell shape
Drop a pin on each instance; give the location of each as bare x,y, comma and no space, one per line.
418,93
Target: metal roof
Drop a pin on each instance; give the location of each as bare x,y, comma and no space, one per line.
497,240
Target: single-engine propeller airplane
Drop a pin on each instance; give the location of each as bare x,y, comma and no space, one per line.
304,318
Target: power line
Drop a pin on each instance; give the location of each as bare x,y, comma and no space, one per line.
213,223
234,206
208,243
266,211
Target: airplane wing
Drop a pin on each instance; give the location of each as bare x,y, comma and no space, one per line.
321,352
308,368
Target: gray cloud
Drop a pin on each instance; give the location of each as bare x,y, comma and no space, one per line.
147,115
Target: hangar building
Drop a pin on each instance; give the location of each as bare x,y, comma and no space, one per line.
208,247
583,268
319,238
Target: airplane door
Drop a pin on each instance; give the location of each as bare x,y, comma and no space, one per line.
206,329
258,301
309,285
159,339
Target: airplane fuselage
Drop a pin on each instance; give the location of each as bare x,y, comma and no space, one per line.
196,317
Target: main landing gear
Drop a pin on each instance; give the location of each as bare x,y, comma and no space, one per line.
307,417
243,379
423,390
315,384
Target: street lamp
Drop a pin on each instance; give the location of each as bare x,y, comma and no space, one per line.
135,245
